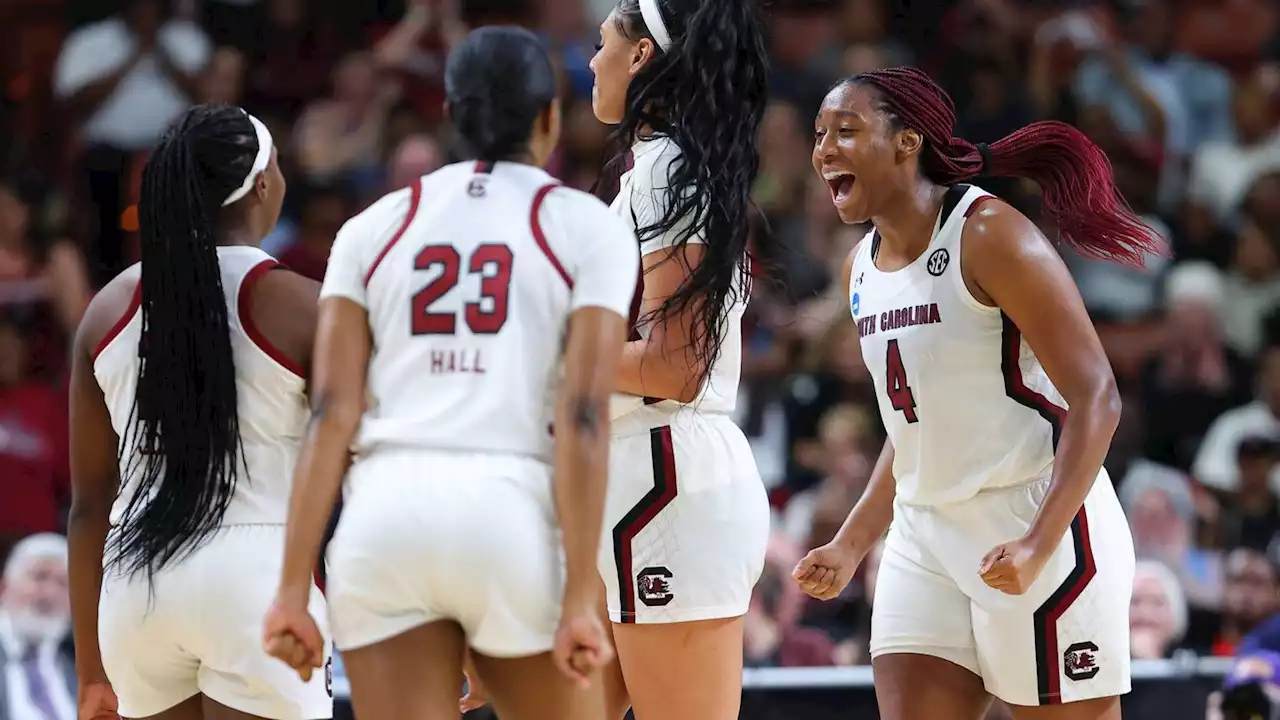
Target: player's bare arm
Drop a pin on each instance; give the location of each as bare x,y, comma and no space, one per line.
596,337
94,481
664,364
340,362
1009,264
826,570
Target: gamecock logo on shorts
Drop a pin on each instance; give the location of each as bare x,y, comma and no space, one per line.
1080,661
653,585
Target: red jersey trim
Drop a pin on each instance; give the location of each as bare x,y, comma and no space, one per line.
541,238
414,198
134,304
244,308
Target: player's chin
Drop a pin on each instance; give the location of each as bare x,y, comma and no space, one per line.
853,210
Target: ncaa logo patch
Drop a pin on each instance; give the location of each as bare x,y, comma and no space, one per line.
854,303
1080,661
938,262
653,585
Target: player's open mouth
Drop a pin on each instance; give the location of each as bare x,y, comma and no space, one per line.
841,184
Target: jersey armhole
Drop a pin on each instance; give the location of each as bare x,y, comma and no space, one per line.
135,303
415,197
244,308
962,288
540,236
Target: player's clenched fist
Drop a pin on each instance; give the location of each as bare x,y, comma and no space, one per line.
582,645
1013,566
826,570
290,634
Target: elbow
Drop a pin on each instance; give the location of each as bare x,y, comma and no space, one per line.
332,416
1107,403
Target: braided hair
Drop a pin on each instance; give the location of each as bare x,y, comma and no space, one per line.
182,439
1075,177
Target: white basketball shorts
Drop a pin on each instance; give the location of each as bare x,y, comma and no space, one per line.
1065,639
686,522
428,536
201,632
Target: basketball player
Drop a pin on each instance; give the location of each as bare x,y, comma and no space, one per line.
687,519
190,368
459,299
1008,565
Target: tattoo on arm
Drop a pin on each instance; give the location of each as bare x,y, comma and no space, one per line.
586,416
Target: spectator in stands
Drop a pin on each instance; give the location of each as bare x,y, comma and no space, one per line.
34,480
1251,595
413,157
772,634
1162,515
1222,170
1250,517
324,210
1195,376
339,138
41,278
1251,288
38,681
1216,465
1157,612
125,79
222,81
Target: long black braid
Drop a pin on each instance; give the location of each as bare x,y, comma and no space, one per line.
183,435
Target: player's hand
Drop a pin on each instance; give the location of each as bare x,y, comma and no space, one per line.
1013,566
290,634
97,701
477,696
582,644
826,570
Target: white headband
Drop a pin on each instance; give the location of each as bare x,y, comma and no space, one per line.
260,162
653,19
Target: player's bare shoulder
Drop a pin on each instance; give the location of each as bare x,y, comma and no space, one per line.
108,307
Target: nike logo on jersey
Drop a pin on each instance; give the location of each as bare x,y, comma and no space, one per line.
899,318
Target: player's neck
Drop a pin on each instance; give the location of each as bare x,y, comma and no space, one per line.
906,228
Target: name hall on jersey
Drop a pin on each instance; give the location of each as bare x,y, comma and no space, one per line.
899,318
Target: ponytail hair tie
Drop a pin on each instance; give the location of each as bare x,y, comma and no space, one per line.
985,152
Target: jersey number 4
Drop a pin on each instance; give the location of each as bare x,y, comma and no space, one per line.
491,262
900,395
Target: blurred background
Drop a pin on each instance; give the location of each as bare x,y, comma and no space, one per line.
1184,95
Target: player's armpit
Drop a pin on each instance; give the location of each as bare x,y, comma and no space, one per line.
1016,266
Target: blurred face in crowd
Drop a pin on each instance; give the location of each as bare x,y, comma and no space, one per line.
355,81
284,13
1150,608
618,59
1262,202
1151,28
145,17
1158,530
861,156
13,354
1255,470
418,155
863,20
1192,322
14,216
1253,110
1269,378
36,599
1255,256
1249,594
223,77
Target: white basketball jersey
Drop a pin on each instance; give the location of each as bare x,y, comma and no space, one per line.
469,278
965,402
270,396
640,201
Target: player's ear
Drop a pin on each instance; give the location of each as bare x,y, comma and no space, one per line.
909,142
641,54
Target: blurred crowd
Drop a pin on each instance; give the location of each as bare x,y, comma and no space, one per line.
1184,95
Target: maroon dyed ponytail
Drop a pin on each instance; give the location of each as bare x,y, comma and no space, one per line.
1074,175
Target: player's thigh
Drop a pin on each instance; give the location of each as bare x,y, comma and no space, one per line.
1103,708
531,688
686,525
235,672
911,686
1066,639
682,671
193,708
415,675
918,609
